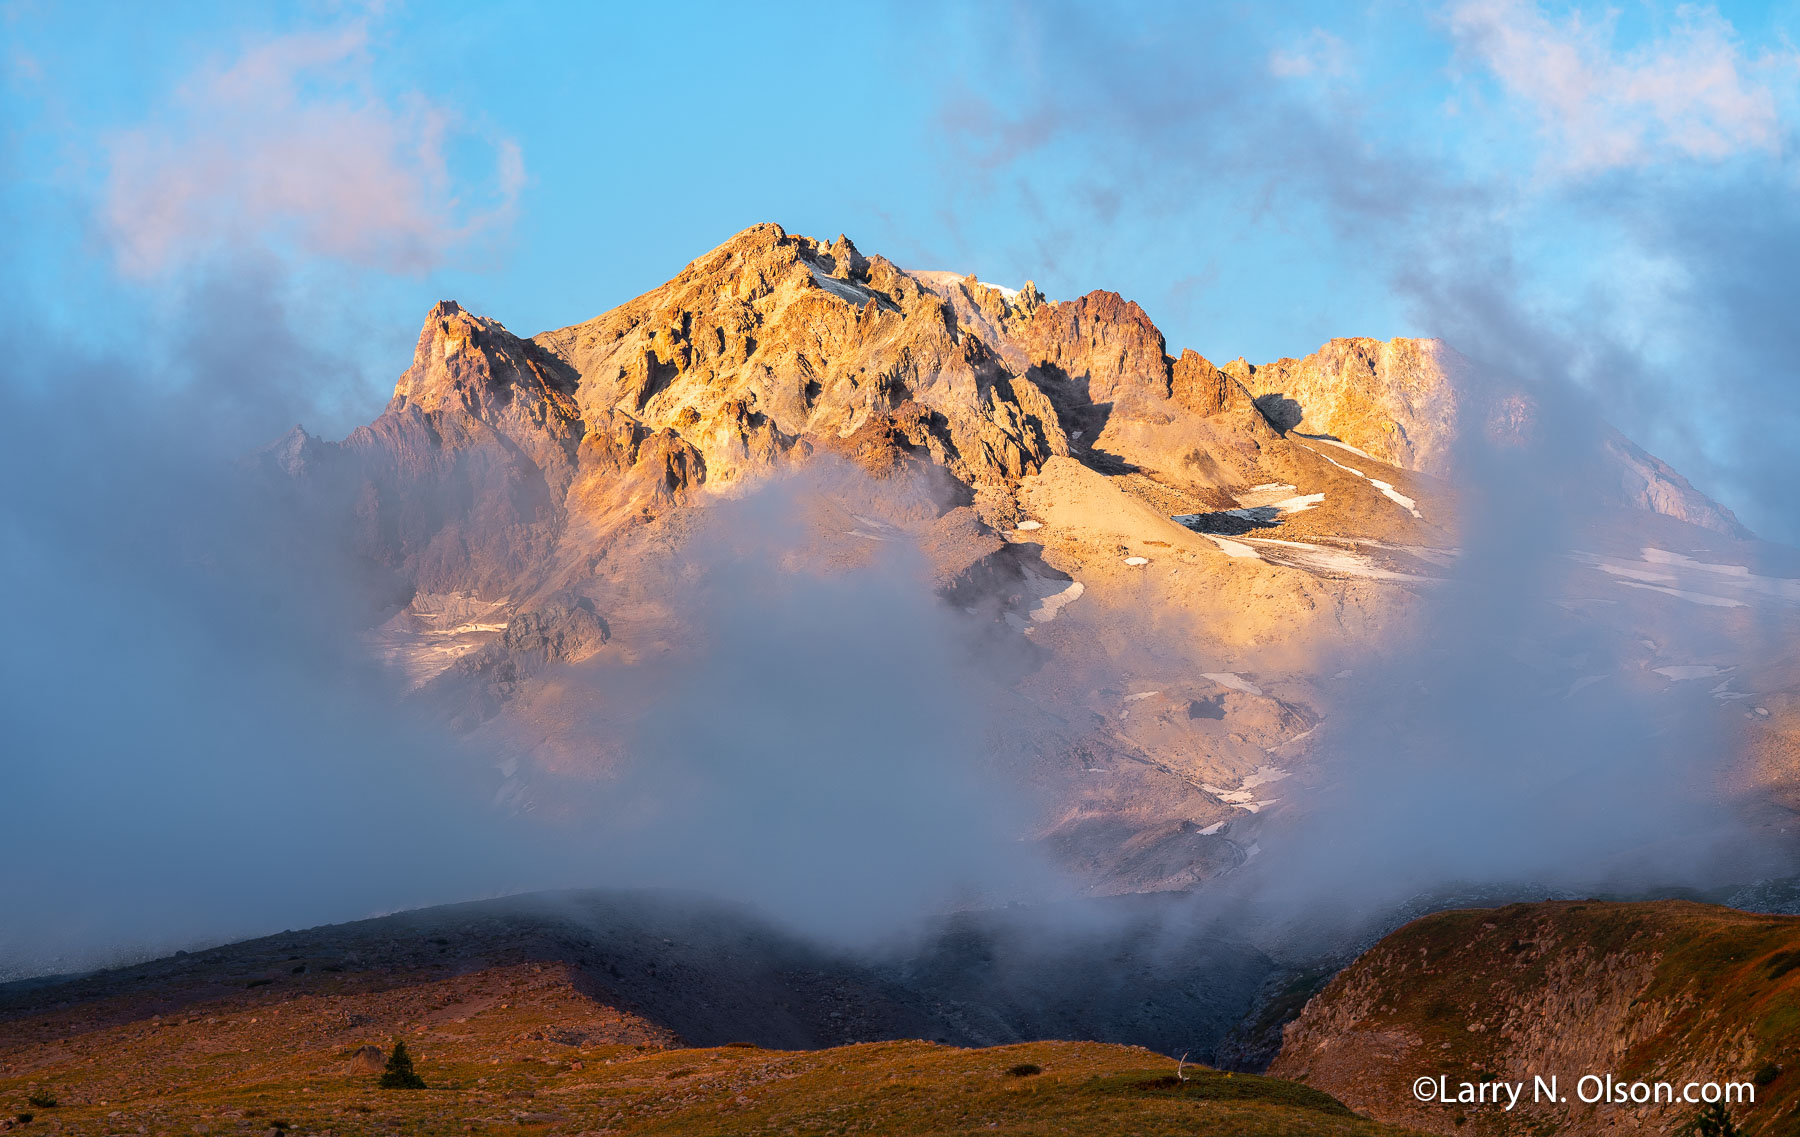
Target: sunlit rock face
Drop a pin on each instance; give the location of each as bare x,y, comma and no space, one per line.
1159,559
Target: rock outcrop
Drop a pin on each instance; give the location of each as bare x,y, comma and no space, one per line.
771,339
1648,483
1202,388
1669,991
1393,400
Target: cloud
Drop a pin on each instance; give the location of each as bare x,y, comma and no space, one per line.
1692,93
1453,755
291,143
1319,54
821,750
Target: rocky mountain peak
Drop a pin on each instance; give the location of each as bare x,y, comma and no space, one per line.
1202,388
1395,400
774,346
474,364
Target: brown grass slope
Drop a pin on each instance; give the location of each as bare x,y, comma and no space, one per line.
554,985
1665,991
526,1016
882,1088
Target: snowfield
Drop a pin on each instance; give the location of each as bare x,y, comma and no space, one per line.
1695,581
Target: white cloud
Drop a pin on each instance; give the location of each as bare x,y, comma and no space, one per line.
290,144
1692,93
1320,54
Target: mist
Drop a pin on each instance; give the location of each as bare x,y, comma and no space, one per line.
1511,742
814,740
201,746
1457,761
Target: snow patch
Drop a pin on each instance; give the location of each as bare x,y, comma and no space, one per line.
1386,488
426,637
1325,559
1262,776
1299,504
1234,681
1243,797
1343,446
1232,548
1679,672
1053,595
842,289
1696,581
1703,598
1664,557
1636,574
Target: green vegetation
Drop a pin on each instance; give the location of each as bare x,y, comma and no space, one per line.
1713,1121
400,1074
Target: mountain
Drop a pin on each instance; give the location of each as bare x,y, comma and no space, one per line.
1075,486
1669,991
1180,606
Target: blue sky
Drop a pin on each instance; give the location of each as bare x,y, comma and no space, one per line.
209,184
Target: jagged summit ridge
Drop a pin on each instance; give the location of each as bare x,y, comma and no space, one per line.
774,346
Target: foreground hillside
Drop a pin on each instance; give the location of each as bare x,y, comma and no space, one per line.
888,1087
1667,991
614,1013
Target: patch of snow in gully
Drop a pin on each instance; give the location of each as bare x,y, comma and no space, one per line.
1387,488
1233,548
1696,581
1690,671
1053,595
1234,681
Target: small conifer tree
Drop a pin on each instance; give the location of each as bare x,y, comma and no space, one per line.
400,1074
1713,1121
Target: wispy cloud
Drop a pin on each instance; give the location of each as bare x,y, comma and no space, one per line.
1691,93
1319,54
291,143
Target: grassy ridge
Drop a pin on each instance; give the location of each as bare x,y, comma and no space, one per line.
279,1043
887,1087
